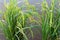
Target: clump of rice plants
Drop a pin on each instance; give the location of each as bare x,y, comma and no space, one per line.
15,21
49,21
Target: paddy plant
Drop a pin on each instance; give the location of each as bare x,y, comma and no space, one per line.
49,21
15,22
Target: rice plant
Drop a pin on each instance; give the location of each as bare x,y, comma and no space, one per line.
49,22
45,20
15,21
